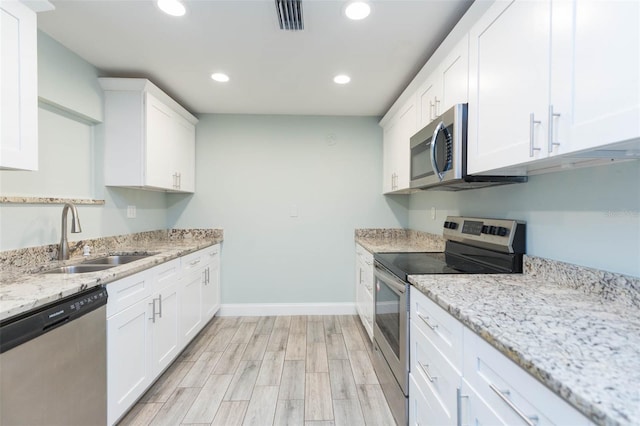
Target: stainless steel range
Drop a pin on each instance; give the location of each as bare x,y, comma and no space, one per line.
473,246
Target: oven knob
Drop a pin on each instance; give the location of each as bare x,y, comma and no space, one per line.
485,229
493,230
446,224
503,232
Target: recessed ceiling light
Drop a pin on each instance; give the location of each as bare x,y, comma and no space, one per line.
172,7
220,77
341,79
357,10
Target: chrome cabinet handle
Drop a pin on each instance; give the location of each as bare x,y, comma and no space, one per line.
153,310
208,275
532,123
431,106
552,115
424,367
195,262
459,397
179,180
426,321
160,306
436,106
529,420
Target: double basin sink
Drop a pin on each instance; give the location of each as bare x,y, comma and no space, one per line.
99,264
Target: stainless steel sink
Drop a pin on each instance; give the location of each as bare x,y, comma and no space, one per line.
78,269
115,260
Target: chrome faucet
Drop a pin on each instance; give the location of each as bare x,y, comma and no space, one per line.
63,250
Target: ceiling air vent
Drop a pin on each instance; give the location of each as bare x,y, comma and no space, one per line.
290,14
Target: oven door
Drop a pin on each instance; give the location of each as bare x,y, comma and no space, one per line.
391,326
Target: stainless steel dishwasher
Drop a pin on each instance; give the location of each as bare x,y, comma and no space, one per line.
53,368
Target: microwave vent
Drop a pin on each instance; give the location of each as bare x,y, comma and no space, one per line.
290,15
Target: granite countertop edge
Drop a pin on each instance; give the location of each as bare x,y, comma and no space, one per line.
591,404
17,290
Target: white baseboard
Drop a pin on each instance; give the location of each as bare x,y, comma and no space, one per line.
275,309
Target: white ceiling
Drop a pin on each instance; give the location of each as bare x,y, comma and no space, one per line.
272,71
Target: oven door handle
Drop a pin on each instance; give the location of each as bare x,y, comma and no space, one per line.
395,284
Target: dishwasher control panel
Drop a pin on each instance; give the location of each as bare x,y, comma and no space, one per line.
21,329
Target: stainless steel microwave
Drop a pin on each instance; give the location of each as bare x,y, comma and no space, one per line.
439,156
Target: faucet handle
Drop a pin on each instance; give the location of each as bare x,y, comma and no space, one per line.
86,250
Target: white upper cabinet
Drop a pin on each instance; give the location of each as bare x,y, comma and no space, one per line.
396,149
149,138
19,87
551,78
595,74
508,85
446,86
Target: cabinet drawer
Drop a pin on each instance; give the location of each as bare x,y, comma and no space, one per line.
443,330
211,256
435,376
127,291
192,261
425,410
510,391
166,273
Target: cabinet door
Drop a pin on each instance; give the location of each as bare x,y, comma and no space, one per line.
405,128
159,126
211,286
128,370
428,99
19,87
388,161
166,336
190,301
455,77
595,80
184,149
509,81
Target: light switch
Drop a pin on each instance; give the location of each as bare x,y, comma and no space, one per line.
433,213
131,212
293,210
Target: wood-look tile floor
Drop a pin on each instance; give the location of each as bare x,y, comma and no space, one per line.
285,370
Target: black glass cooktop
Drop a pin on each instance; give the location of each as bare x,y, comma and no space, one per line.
404,264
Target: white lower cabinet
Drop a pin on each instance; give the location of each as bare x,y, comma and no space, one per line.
151,317
364,288
487,389
211,283
128,347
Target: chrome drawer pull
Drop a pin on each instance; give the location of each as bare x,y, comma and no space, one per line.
426,321
459,397
424,367
153,310
529,420
195,262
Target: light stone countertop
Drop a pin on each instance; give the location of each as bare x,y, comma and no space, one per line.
584,348
386,240
23,289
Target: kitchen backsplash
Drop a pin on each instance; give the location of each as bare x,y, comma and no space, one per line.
31,257
609,286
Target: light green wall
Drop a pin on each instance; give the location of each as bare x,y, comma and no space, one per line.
70,162
251,171
588,216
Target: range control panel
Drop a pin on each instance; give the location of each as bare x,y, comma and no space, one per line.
503,235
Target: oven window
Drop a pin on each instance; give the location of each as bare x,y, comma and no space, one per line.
388,315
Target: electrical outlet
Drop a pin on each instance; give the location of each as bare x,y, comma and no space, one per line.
131,212
293,210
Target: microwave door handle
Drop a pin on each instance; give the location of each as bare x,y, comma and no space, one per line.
434,141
